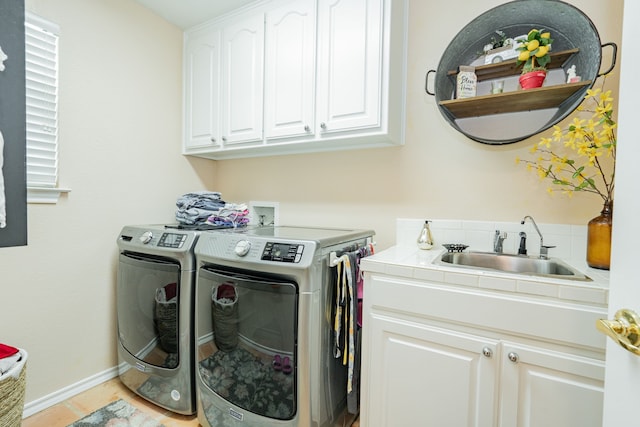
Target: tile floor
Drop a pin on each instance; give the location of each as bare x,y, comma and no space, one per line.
64,413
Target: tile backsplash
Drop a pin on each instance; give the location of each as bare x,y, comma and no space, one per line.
570,241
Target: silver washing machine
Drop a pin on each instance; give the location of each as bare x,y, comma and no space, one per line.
155,288
264,328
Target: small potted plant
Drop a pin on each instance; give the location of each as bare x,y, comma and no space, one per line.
534,57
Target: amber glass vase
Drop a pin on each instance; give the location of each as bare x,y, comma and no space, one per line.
599,238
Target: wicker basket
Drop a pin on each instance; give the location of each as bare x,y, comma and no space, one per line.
12,388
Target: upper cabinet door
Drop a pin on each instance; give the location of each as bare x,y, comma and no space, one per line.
349,64
201,86
290,49
242,80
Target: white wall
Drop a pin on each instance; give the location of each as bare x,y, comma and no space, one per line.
120,125
120,122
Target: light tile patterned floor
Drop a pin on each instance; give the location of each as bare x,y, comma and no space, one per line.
64,413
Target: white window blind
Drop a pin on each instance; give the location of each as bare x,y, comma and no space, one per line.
41,74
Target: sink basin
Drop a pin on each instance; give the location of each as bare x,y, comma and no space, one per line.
517,264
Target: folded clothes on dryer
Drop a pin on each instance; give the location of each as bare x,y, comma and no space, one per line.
232,214
207,207
208,200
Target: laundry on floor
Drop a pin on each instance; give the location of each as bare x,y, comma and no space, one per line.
208,208
9,357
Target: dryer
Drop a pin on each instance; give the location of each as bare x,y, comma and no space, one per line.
154,302
264,330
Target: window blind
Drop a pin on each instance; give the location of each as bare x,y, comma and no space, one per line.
41,74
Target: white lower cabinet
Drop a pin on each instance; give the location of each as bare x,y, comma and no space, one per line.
425,376
542,387
420,368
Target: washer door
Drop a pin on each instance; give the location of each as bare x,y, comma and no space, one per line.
246,329
148,293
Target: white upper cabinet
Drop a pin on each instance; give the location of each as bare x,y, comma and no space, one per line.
242,80
290,50
298,76
350,61
202,89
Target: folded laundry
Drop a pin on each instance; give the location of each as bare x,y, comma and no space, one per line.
207,207
232,214
194,215
209,200
7,350
9,356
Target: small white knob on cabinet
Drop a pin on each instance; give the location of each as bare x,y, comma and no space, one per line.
242,247
146,237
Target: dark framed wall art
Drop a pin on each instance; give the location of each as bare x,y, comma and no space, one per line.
13,189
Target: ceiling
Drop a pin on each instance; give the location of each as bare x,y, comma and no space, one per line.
187,13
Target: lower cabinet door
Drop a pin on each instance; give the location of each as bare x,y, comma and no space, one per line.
542,388
419,375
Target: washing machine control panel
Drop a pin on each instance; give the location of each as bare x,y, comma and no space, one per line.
282,252
172,240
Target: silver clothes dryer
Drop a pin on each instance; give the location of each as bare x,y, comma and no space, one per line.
154,303
263,329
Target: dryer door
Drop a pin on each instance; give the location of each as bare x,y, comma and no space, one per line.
246,329
147,305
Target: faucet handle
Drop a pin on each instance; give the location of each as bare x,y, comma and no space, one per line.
544,250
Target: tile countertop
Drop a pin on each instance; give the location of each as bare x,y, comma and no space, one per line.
413,263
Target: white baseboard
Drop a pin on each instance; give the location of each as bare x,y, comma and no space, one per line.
63,394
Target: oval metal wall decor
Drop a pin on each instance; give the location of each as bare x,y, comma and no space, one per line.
570,28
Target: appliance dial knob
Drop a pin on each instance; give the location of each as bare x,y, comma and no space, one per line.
146,237
242,247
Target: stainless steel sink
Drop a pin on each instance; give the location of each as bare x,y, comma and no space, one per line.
517,264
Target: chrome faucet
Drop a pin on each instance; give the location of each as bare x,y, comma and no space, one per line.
544,250
497,241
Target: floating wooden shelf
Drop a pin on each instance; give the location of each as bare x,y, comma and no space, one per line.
508,68
510,102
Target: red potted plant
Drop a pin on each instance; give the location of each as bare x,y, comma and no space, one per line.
534,57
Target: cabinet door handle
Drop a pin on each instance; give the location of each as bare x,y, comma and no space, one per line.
513,357
323,125
307,128
224,139
487,352
213,139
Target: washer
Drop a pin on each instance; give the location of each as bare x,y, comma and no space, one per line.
264,328
155,338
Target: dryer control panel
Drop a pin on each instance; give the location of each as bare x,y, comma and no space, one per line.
172,240
282,252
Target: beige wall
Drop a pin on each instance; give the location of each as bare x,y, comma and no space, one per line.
120,120
438,173
120,125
